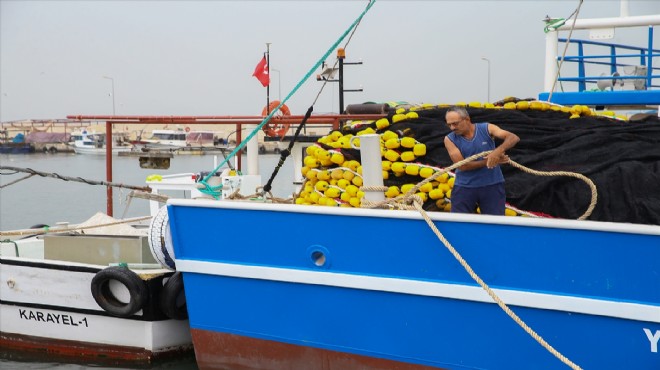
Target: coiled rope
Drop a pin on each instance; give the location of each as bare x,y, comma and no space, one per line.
404,201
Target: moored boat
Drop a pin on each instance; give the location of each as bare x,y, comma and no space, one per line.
410,287
17,144
66,296
195,142
93,292
86,142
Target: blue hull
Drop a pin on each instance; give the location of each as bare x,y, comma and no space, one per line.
387,288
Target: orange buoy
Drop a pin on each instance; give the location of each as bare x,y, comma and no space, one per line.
276,129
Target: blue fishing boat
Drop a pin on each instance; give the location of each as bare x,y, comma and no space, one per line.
296,286
16,145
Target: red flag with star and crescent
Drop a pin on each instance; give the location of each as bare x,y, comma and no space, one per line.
261,72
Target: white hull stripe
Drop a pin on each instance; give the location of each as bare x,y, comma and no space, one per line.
552,223
589,306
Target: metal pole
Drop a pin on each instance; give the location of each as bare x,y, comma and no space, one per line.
268,72
108,166
488,61
341,85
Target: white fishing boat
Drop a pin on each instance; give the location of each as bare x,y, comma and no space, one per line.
86,142
92,292
165,139
196,142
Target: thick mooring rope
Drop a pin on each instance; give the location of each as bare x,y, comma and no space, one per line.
32,172
418,205
410,200
401,201
66,229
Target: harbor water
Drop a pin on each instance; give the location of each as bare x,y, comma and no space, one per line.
45,200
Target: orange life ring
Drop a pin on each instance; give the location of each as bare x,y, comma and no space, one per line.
276,129
187,128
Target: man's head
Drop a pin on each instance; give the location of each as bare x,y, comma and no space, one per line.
458,120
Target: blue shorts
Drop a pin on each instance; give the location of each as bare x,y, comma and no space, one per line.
490,199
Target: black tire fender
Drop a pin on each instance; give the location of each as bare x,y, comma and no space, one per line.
172,298
105,298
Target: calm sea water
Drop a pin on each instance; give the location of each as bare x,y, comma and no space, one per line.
44,200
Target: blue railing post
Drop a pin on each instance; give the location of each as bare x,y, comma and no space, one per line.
612,59
649,65
582,85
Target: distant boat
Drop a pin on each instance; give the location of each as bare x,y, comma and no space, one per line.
17,145
182,142
49,142
93,143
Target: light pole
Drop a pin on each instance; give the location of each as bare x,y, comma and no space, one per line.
112,80
488,60
279,84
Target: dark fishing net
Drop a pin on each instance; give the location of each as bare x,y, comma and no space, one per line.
621,158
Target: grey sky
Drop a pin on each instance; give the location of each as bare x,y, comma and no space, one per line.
197,57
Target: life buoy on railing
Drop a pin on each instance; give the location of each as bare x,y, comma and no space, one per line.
274,129
106,298
172,298
160,239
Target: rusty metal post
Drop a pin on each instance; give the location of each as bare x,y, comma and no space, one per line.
239,139
108,165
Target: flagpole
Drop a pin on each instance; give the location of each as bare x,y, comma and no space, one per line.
268,69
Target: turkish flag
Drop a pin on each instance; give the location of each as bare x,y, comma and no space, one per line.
261,72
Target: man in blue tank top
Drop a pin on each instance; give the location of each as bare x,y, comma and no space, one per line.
479,183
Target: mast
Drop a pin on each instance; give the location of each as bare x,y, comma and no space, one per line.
268,72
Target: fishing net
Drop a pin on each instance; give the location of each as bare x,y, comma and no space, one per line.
621,157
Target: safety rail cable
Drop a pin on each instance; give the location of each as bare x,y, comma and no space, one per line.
403,201
213,190
561,61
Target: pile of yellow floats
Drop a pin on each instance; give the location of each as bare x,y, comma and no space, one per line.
335,181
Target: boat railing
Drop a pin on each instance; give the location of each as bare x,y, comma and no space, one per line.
621,67
610,75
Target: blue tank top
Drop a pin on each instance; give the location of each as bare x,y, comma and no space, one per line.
479,143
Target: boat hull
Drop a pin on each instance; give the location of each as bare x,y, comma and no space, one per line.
378,284
216,350
100,151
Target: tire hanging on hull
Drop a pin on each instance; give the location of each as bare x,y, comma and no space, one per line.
172,298
160,239
106,299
